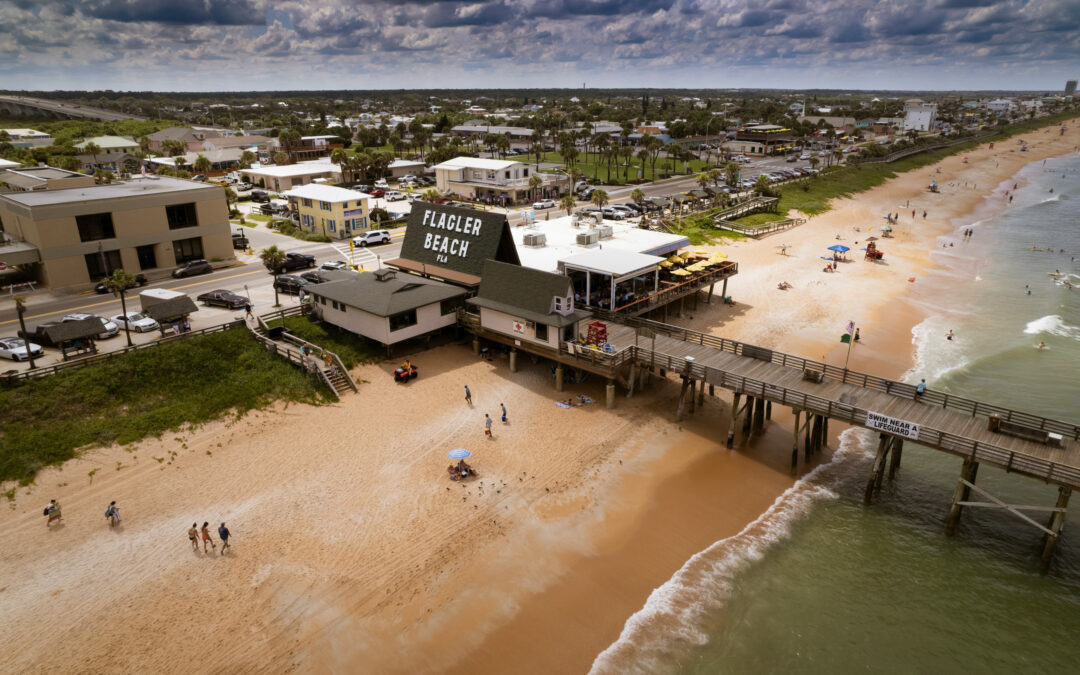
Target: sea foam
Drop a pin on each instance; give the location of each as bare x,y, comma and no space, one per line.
674,616
1054,325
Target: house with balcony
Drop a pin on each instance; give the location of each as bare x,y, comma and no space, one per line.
311,147
335,212
497,181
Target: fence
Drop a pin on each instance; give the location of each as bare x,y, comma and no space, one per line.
104,356
296,355
907,152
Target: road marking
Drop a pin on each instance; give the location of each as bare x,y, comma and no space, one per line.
106,302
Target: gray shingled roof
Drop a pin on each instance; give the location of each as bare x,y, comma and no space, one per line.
524,292
74,330
385,298
492,239
170,310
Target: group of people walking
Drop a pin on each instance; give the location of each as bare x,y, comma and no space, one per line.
55,515
487,417
196,533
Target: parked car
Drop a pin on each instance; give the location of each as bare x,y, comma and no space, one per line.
425,181
260,196
243,186
792,158
544,204
804,157
587,193
372,237
108,328
334,265
625,210
633,206
613,214
140,323
381,183
394,196
410,184
297,261
223,298
378,192
140,280
362,188
192,268
288,283
19,349
315,276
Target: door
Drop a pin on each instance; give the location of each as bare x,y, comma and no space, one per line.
147,259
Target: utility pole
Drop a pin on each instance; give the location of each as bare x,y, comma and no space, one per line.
20,308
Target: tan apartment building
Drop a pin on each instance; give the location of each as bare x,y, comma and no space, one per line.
497,181
72,237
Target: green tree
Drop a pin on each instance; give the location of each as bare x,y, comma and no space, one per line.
637,196
246,159
92,149
535,182
431,195
654,145
174,148
568,202
762,184
202,164
289,140
703,179
281,158
731,173
119,282
599,198
340,156
273,258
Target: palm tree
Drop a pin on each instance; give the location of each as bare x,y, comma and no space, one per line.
230,198
20,308
703,179
202,164
340,157
731,173
502,143
289,140
273,258
534,183
568,202
174,148
179,163
431,195
637,196
599,198
600,143
246,159
92,149
762,183
119,282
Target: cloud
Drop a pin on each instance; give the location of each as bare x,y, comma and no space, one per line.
358,43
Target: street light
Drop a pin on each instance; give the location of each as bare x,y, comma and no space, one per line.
707,151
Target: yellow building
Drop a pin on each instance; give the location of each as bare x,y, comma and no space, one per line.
74,236
335,212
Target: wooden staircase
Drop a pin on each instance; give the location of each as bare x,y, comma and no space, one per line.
325,363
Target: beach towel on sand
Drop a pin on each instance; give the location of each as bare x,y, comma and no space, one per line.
562,405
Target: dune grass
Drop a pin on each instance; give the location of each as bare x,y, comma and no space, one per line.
350,348
141,394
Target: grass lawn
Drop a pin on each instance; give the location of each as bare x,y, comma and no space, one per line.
351,348
259,217
699,228
143,393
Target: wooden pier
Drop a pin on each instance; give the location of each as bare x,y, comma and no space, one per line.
980,433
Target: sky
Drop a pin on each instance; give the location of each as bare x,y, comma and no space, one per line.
247,45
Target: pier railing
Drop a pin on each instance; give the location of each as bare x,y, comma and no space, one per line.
846,376
1011,461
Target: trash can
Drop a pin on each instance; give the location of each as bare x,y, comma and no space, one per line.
993,423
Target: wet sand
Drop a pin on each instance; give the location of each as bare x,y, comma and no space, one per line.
353,551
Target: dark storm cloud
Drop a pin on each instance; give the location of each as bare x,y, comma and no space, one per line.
216,12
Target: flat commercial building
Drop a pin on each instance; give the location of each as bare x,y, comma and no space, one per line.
42,178
279,178
74,236
28,138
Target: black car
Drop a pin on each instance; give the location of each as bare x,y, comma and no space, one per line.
287,283
223,298
140,280
260,196
192,268
297,261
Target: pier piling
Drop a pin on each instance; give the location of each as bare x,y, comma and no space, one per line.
734,418
1056,522
967,475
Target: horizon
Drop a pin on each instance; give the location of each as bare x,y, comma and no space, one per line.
339,45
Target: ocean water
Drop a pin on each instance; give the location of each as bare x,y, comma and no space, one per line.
822,584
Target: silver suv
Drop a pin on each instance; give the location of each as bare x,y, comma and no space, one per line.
372,237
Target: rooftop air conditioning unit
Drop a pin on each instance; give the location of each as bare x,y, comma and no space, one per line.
588,238
534,239
605,231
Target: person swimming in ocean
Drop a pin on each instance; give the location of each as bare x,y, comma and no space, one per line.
1041,345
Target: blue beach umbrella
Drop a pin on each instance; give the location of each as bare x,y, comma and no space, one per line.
459,453
839,247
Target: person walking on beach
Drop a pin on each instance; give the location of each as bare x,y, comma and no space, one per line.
949,335
223,532
924,215
920,390
487,426
468,395
113,514
206,537
52,510
503,406
193,536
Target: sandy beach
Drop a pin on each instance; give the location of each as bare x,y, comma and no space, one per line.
353,552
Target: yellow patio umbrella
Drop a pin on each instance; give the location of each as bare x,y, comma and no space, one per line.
674,258
686,256
696,267
667,263
681,273
701,253
719,255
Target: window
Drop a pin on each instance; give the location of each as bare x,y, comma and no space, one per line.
325,206
477,174
95,226
402,320
306,202
507,175
331,225
558,303
181,215
188,249
102,263
525,173
541,332
450,306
